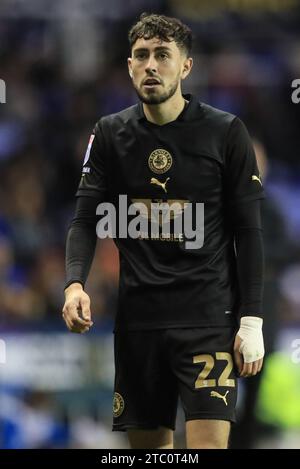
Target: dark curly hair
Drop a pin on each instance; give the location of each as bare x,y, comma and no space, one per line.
163,27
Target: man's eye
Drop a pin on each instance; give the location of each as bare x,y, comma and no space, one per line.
140,56
163,56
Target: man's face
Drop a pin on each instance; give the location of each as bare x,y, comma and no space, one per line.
156,68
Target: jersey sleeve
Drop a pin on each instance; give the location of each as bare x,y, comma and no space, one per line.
242,179
93,178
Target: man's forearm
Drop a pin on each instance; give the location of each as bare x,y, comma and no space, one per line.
250,256
250,268
81,241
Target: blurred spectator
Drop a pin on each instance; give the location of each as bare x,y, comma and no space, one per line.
31,422
17,301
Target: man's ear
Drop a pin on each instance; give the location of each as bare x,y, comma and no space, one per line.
187,67
129,66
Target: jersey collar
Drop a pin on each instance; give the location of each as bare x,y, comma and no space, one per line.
187,114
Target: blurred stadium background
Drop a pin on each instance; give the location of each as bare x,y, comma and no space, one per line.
64,65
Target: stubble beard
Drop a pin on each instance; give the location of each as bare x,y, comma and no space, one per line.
153,98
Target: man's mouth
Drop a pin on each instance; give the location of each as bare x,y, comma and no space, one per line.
151,82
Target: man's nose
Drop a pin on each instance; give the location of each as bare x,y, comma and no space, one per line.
151,65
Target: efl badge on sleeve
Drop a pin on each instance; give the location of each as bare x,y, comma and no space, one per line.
88,150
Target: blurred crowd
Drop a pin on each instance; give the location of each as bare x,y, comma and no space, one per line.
64,71
62,75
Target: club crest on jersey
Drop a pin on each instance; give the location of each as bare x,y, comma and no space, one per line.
118,405
160,161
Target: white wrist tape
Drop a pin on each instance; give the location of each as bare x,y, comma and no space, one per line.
250,331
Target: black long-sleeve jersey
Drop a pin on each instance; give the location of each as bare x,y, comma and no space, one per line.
203,157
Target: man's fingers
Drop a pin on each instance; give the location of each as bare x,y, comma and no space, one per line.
255,367
241,353
77,321
71,311
238,358
85,308
251,369
247,370
73,327
260,364
80,329
68,323
76,312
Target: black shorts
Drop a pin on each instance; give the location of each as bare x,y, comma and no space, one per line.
154,367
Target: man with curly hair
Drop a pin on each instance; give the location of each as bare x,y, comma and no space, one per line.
189,313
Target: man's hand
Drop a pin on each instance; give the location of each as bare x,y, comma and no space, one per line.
76,310
249,346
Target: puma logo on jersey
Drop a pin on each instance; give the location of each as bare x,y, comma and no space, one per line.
158,183
219,396
256,178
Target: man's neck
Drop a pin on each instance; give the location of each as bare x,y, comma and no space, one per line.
166,112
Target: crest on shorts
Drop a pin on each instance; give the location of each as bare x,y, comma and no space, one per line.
118,405
160,161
